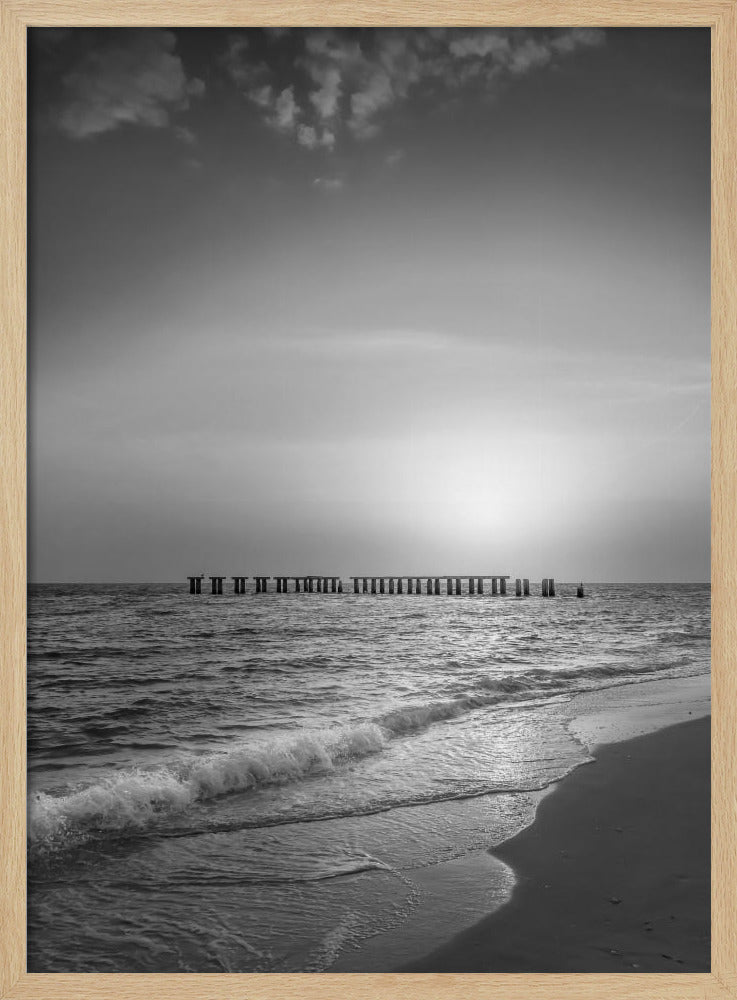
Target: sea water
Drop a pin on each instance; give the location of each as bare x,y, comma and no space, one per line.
260,782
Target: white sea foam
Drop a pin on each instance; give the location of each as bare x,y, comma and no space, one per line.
132,799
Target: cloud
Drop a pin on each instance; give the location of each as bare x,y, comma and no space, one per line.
185,135
325,99
347,81
393,158
328,183
137,78
262,96
285,111
480,43
233,59
569,41
308,137
377,94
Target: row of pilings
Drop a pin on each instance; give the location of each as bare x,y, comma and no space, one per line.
379,585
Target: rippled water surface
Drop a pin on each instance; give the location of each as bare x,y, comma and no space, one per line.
248,782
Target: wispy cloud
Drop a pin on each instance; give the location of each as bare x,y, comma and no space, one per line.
185,135
328,183
345,82
134,78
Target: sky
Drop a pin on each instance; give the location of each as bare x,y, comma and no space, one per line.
400,301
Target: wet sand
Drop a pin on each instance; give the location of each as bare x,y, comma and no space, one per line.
613,875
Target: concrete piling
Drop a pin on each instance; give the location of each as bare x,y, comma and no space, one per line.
579,590
334,584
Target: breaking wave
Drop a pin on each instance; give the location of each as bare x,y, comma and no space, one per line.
131,801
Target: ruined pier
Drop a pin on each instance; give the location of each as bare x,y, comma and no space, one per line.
449,584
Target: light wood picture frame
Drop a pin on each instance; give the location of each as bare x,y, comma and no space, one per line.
18,15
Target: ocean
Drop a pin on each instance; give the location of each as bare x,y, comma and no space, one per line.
261,782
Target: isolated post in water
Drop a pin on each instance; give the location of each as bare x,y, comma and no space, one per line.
579,590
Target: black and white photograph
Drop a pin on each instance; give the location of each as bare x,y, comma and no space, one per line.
369,516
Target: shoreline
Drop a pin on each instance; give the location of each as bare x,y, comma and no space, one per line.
613,875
